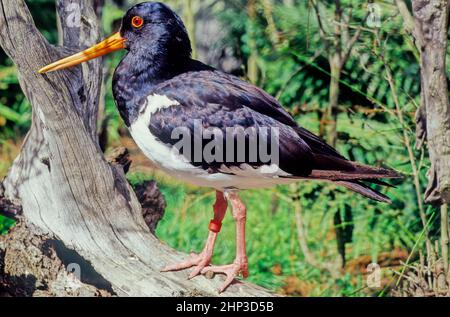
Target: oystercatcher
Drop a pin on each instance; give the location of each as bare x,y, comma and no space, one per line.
212,129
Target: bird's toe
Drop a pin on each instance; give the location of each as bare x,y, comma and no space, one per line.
190,262
231,271
198,269
198,261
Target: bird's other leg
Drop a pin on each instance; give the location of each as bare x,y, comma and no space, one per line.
202,260
240,265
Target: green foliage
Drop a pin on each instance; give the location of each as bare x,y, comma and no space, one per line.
15,110
5,224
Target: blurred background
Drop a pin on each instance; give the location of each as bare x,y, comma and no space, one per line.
346,70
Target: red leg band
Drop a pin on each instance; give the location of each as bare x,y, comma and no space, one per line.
215,226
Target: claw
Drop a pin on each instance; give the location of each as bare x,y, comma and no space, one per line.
231,271
198,269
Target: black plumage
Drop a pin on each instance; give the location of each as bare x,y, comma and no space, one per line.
218,101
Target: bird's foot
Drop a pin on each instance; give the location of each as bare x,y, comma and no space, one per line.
231,271
198,261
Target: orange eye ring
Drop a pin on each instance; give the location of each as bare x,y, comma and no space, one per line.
137,22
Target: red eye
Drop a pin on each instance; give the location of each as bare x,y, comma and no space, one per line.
137,22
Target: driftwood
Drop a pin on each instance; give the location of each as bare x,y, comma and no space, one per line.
79,212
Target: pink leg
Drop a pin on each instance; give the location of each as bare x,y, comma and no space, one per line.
240,265
202,260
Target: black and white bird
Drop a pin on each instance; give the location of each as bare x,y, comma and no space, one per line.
212,129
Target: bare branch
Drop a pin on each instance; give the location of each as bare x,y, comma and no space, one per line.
345,25
406,14
337,28
350,45
323,33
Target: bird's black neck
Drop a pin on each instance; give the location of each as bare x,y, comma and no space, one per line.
138,74
135,77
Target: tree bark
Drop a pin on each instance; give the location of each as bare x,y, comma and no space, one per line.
430,31
429,25
71,197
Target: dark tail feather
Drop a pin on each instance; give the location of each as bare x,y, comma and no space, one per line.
352,175
378,182
365,190
336,169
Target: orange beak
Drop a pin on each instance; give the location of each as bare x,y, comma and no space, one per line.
111,44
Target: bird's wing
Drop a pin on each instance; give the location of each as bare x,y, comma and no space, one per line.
215,100
218,87
224,101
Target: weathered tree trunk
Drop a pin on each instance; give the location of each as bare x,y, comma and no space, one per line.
430,32
433,120
429,25
74,203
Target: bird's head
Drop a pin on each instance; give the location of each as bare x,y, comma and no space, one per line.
152,25
149,28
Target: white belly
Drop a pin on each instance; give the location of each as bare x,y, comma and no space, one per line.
177,166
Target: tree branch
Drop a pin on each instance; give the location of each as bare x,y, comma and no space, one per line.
349,47
323,32
406,15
